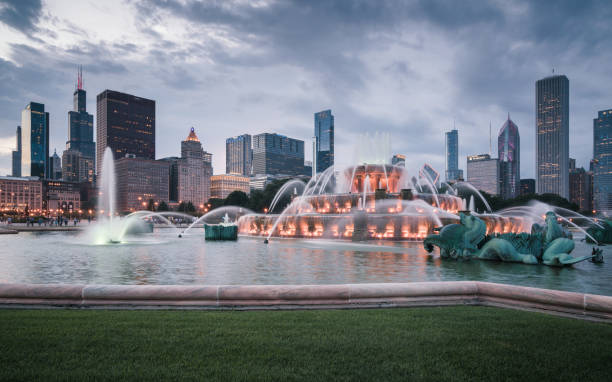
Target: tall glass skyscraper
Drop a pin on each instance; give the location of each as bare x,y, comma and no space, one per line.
80,126
324,134
17,154
602,162
452,156
239,155
509,151
34,140
126,124
552,136
275,154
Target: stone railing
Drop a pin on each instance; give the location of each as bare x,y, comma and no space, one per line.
306,296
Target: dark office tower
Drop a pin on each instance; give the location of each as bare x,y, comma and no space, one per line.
275,154
239,155
80,124
452,156
55,167
581,192
398,160
34,140
527,186
17,154
509,152
552,136
602,162
430,174
324,134
126,124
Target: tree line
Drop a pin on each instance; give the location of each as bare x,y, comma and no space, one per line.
257,201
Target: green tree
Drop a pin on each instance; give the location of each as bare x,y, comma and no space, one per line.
498,203
162,206
237,198
190,207
151,205
215,203
269,193
256,201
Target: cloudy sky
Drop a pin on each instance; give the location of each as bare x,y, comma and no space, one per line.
406,68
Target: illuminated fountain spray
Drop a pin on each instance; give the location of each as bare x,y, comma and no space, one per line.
107,194
104,231
374,200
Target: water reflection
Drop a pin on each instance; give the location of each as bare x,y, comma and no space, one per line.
58,258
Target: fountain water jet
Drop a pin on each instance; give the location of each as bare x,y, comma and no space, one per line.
109,227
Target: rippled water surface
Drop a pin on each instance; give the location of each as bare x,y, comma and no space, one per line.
162,258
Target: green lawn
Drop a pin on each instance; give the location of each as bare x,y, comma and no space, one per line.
445,343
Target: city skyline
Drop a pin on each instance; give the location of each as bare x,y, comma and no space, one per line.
254,93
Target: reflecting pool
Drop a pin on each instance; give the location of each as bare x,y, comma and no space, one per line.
161,258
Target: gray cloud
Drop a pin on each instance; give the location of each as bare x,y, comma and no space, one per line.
407,68
21,14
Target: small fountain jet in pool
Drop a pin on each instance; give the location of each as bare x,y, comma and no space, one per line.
111,229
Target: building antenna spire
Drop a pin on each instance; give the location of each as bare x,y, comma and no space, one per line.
80,77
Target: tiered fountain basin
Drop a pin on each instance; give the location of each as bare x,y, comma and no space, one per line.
338,216
371,202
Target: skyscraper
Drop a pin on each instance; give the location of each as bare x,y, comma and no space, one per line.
34,140
452,156
398,160
126,124
55,166
324,134
76,167
483,173
140,181
239,155
580,189
430,174
527,186
276,154
17,154
509,151
80,125
602,162
194,171
552,136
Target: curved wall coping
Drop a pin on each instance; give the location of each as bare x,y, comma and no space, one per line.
306,296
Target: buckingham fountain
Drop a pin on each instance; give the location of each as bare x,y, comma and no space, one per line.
373,201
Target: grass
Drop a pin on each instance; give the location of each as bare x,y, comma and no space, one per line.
444,343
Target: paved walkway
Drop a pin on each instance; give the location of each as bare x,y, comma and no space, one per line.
22,227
